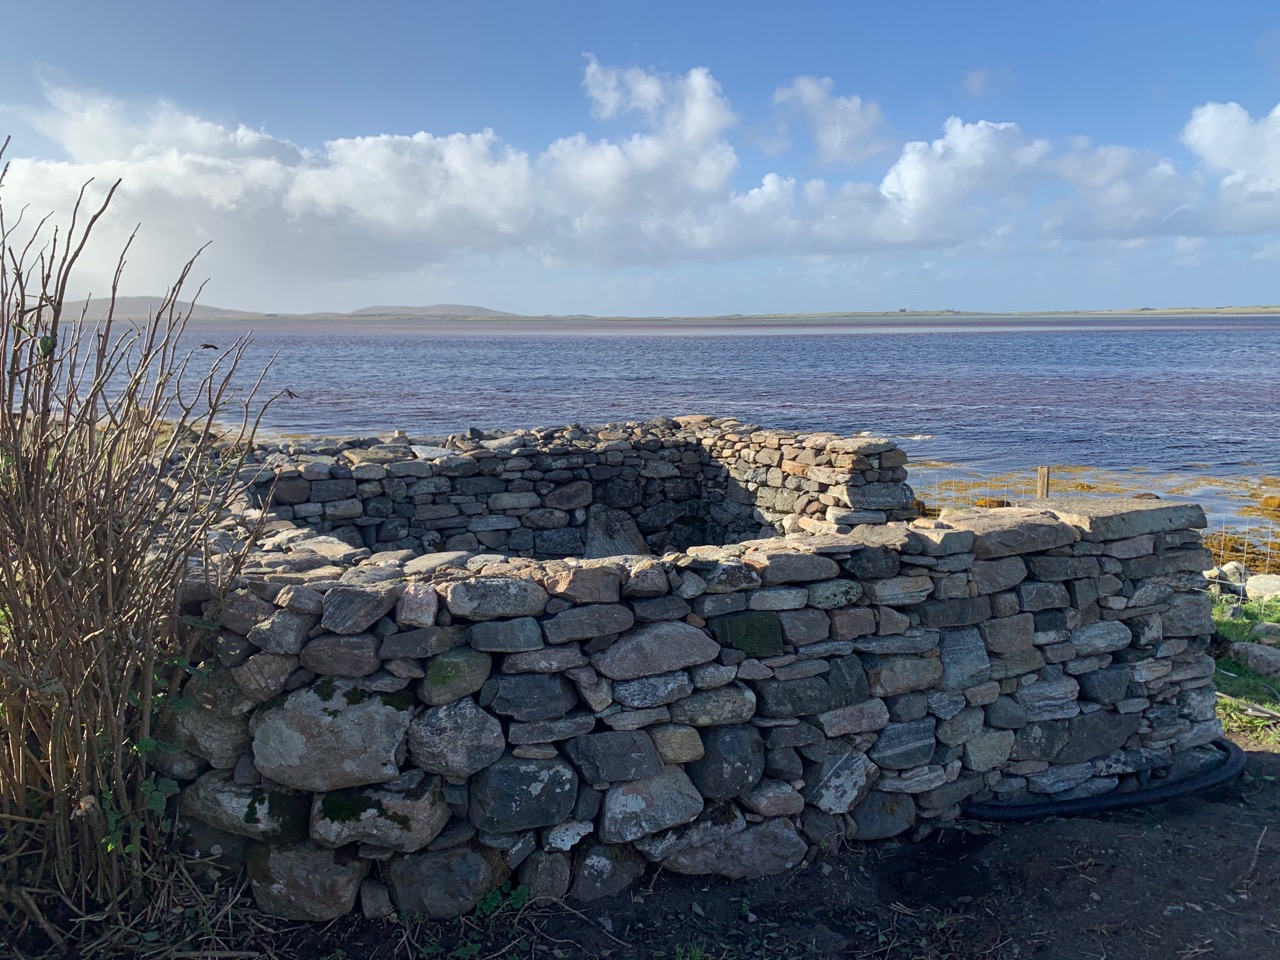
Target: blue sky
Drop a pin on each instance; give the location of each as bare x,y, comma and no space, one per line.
664,158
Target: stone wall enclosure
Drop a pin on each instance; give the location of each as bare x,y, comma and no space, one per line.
408,730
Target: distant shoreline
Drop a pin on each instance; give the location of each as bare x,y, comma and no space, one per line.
762,325
470,315
849,317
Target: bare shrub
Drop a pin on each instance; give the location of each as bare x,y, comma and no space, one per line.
116,463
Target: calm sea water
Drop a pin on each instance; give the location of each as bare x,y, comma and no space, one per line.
1200,395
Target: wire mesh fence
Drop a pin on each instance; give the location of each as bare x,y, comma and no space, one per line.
1246,535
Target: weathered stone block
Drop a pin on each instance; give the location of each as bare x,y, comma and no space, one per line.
955,613
453,674
514,794
769,848
1115,518
494,598
332,735
1011,530
904,745
446,883
891,675
964,660
506,636
654,648
304,882
585,623
643,807
839,781
528,696
455,740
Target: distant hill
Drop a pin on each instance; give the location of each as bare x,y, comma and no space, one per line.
139,308
435,310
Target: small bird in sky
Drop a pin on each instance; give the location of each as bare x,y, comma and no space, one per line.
208,346
290,394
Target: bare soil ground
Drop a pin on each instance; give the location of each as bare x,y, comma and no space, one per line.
1193,878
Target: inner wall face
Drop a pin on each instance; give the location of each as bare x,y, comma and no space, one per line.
609,491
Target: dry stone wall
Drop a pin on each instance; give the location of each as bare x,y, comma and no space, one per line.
408,732
577,491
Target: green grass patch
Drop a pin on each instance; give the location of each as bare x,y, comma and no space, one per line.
1248,701
1251,612
1239,682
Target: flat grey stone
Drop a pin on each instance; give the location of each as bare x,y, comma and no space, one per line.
717,821
585,623
899,591
529,696
247,810
792,698
456,740
653,804
1117,518
332,735
494,598
889,676
964,659
883,815
453,674
604,870
550,731
304,882
654,648
546,660
506,636
1011,530
355,609
724,705
1049,699
961,727
401,820
337,655
285,632
444,884
904,745
513,794
1096,734
993,576
654,691
732,761
784,566
615,756
766,849
839,781
988,749
1101,637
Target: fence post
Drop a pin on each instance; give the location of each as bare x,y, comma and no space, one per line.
1042,483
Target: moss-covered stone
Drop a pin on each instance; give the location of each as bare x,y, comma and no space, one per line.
757,633
454,674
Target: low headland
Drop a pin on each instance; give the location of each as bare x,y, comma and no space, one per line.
139,307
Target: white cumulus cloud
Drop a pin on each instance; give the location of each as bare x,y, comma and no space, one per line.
659,181
1245,154
845,129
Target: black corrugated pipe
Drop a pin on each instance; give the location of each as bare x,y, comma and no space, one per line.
1229,769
